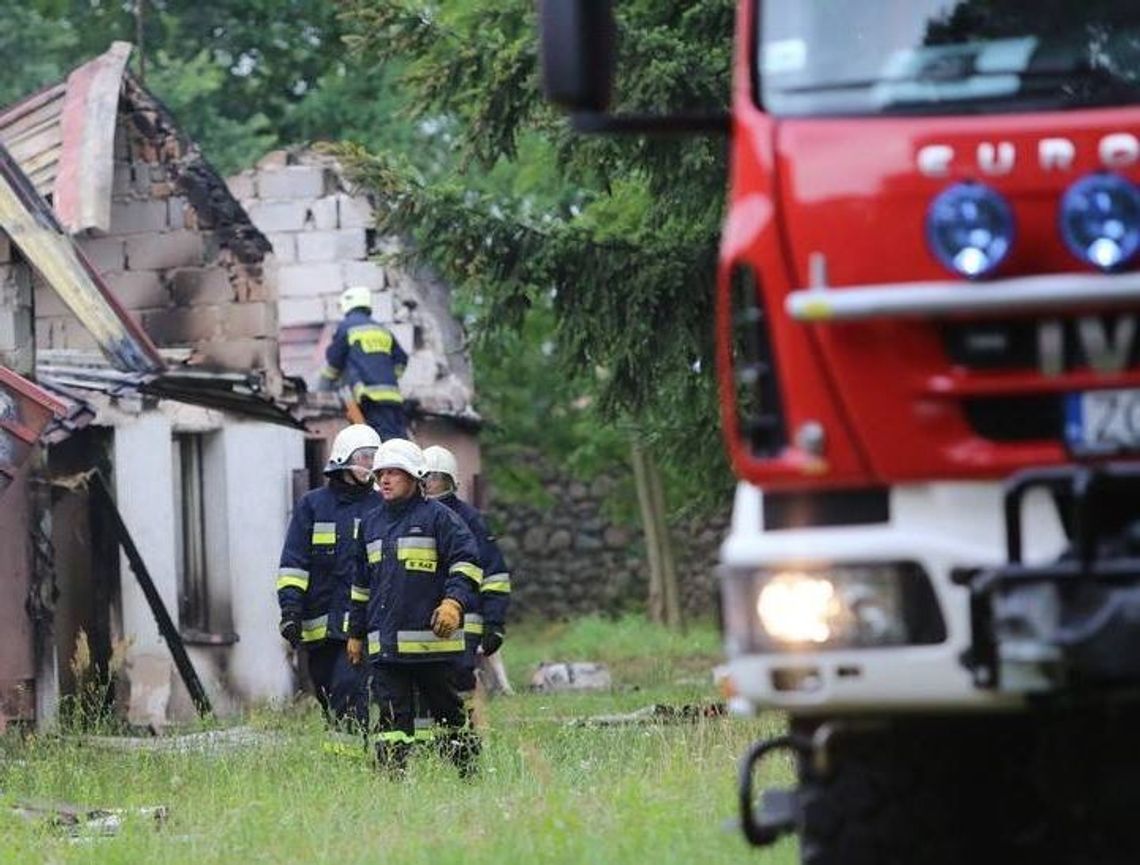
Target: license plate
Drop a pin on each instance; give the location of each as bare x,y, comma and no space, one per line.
1103,421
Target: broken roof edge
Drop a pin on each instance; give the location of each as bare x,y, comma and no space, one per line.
32,226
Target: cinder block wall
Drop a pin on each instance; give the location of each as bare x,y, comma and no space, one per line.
323,241
171,264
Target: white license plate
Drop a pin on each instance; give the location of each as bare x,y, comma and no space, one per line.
1103,421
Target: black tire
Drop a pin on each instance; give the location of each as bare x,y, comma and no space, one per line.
1037,788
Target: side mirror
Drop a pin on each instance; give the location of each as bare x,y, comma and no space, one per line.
577,53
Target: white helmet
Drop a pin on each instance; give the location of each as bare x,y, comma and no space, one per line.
354,296
400,454
437,458
347,442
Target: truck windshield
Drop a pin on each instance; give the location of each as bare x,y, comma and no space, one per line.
865,57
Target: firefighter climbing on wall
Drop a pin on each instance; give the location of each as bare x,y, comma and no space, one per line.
369,358
485,623
316,571
415,574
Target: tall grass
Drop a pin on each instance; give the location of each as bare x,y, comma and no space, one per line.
549,790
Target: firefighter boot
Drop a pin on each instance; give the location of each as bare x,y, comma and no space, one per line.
463,748
392,757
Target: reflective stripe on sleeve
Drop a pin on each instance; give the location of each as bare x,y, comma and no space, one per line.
469,570
497,583
375,551
359,594
473,623
374,642
315,629
427,643
324,533
293,577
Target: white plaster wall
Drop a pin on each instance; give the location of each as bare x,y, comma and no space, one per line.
259,459
144,479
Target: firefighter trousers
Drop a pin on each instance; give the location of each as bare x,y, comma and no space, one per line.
388,418
341,688
394,688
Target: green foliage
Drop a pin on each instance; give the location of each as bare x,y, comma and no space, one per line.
611,256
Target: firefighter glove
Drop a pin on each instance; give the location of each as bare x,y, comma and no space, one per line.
493,639
290,628
446,617
355,650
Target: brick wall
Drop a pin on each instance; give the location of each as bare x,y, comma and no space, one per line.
170,261
323,242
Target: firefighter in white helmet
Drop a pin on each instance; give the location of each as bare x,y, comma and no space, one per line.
315,575
371,361
484,624
416,572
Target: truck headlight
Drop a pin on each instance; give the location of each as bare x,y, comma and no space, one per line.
834,606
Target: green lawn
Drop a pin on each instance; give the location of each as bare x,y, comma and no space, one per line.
550,790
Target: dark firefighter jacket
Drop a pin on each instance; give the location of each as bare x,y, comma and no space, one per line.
410,555
490,611
368,356
316,569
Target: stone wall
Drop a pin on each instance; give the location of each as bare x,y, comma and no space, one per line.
568,558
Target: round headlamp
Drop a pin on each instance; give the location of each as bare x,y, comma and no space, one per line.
970,229
1100,220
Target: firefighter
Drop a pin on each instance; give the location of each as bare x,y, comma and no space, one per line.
415,575
371,360
485,623
315,575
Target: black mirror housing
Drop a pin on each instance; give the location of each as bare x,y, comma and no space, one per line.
577,53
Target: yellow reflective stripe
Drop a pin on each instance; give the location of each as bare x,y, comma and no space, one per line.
376,392
324,533
359,594
375,551
295,577
315,629
344,624
355,528
426,565
330,372
426,642
497,583
374,642
425,729
473,623
394,736
372,338
468,570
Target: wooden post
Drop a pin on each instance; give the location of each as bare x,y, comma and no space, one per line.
664,601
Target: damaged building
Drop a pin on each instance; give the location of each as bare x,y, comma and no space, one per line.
160,358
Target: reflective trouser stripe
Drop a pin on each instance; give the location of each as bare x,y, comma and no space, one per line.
474,572
295,577
497,583
473,623
374,642
426,642
376,393
394,736
425,731
356,593
315,629
330,372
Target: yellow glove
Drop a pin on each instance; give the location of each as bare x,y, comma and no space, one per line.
446,617
355,649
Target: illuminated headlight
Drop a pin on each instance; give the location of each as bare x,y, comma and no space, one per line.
1100,220
838,606
970,229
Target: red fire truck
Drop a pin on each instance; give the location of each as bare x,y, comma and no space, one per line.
930,376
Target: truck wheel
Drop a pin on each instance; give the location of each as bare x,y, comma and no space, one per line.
1009,789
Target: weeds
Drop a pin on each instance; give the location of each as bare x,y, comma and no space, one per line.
91,708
